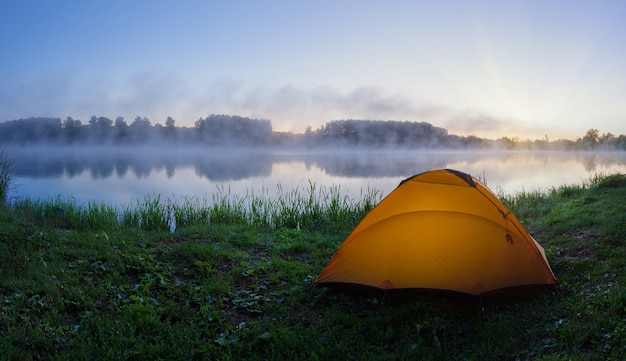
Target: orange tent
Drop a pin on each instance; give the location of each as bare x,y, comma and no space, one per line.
444,230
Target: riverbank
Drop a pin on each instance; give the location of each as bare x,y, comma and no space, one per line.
74,284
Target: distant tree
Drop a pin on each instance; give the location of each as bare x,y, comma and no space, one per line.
541,144
507,143
120,123
120,132
309,137
563,144
379,133
140,130
72,130
70,123
140,122
592,135
620,142
472,141
590,140
169,132
31,130
232,130
607,141
100,129
102,122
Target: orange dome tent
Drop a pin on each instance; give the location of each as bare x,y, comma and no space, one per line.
444,230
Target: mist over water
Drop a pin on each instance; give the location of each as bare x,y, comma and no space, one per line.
124,175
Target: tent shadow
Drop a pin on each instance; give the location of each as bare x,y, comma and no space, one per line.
361,298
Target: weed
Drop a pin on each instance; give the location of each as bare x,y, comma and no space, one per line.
6,168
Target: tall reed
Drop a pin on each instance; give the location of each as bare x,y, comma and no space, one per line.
6,167
309,207
68,213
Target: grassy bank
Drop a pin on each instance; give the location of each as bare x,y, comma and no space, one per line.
232,279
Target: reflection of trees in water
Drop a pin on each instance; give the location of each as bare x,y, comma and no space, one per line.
595,161
215,166
73,167
373,165
122,168
229,165
103,169
224,167
591,161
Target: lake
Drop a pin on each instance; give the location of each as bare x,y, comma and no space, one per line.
127,175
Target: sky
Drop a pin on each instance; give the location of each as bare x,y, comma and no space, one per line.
529,68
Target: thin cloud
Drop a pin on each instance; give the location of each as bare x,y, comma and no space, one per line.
146,94
487,126
475,123
289,107
293,108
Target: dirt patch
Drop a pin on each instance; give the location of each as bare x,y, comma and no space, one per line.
582,245
579,253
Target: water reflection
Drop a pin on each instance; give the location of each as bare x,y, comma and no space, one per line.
119,173
215,165
224,165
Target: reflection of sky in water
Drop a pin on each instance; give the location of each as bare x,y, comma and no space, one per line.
130,181
518,172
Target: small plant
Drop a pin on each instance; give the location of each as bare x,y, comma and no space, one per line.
6,167
610,181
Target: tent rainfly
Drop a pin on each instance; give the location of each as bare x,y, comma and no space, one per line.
444,230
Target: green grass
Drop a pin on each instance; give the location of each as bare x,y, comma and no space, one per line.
306,207
232,280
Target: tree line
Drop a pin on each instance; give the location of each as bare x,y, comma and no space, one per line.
233,130
212,130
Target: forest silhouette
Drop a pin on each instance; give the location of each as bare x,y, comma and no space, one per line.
237,131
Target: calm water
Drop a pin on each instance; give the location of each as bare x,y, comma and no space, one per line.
125,176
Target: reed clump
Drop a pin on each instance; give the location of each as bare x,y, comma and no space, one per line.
6,167
305,207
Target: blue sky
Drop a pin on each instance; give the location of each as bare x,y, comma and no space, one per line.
487,68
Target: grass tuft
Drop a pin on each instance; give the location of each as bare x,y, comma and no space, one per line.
6,168
301,208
